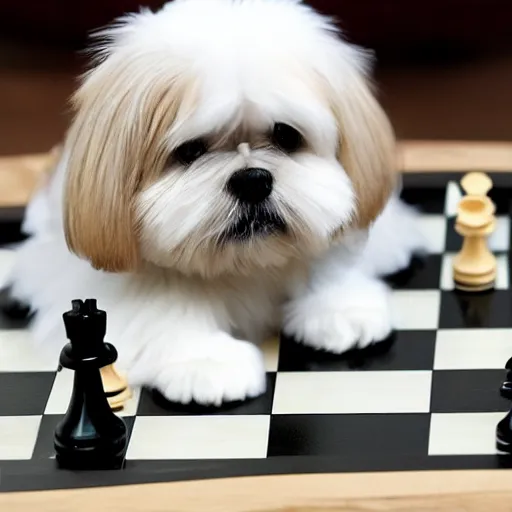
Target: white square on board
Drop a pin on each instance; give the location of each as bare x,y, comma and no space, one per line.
416,309
352,392
463,433
454,194
499,240
199,437
472,349
19,436
18,354
433,228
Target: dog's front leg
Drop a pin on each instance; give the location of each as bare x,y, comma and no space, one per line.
341,307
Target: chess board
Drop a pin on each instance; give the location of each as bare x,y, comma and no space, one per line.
427,398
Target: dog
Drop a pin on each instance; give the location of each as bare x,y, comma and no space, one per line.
228,174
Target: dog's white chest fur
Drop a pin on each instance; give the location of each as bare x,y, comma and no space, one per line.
254,306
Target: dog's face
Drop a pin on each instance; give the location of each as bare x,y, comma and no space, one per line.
218,136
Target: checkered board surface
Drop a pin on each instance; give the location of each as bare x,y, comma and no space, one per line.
427,398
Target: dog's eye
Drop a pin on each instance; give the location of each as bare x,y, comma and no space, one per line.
286,137
190,151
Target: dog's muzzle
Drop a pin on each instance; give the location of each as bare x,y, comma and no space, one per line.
255,213
255,221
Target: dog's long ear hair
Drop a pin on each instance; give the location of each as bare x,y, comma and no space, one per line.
367,148
115,146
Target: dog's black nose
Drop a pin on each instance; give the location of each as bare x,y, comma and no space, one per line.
251,185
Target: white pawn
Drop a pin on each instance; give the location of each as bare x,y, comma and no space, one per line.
474,267
115,387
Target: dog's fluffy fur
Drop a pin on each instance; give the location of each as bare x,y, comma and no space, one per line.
125,221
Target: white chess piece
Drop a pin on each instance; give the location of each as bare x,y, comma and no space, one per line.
474,267
115,387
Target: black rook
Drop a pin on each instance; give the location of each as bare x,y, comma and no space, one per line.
90,436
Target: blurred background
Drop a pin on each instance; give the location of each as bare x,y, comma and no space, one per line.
444,67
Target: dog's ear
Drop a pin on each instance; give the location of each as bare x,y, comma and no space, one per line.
367,146
116,145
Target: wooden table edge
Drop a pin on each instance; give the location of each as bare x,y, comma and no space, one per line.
462,156
407,491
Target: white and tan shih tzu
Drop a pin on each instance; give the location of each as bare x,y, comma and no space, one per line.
228,174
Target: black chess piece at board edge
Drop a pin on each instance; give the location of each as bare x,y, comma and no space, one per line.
504,434
91,435
506,386
504,426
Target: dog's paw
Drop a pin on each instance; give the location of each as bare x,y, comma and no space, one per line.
340,320
206,372
339,331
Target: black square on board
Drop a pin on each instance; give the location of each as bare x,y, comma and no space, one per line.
453,239
427,199
153,403
25,394
13,315
11,220
404,350
458,391
424,273
501,195
459,310
349,436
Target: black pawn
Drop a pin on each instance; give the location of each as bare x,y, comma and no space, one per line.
506,386
90,436
504,434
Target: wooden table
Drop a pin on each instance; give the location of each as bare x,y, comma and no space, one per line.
468,491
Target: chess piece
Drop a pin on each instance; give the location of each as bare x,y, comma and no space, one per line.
115,387
474,267
506,386
504,434
90,436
